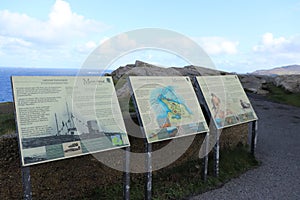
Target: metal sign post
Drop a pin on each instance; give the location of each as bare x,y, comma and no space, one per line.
206,112
205,158
253,137
25,171
126,184
65,140
148,150
172,108
26,179
217,153
148,194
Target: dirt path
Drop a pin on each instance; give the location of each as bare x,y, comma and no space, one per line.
278,148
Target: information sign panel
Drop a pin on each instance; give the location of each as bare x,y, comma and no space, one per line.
226,99
61,116
168,107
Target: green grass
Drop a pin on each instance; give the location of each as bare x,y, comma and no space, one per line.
7,119
185,180
279,95
7,123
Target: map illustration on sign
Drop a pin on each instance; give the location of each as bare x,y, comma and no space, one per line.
168,107
226,100
60,117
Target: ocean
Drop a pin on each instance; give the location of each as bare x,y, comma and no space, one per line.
7,72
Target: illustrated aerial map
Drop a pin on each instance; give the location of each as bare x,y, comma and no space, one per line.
168,109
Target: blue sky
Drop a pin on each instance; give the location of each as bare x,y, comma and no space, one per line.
240,36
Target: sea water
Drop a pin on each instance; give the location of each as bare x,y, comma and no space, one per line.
7,72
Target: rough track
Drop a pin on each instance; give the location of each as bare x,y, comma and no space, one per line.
278,149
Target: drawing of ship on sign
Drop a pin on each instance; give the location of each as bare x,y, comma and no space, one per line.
68,126
93,127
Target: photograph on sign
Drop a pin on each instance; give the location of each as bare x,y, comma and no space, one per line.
168,107
61,116
226,99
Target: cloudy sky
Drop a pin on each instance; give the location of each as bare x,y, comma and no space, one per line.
240,36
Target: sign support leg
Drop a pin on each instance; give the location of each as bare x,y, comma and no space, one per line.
217,154
148,149
253,137
205,158
126,184
148,194
26,179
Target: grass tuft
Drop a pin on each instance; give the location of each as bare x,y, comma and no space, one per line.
7,124
280,95
185,180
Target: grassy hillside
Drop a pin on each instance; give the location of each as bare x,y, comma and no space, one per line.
184,180
7,120
86,178
279,95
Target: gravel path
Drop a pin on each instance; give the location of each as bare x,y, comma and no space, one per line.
278,148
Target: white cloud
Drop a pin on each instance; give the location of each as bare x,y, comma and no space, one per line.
61,14
14,46
87,47
62,25
13,41
270,51
218,45
271,44
47,42
278,50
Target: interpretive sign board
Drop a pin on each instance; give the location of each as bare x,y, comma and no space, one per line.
168,107
62,116
226,100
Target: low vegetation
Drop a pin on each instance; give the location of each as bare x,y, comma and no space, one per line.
178,181
7,124
185,180
280,95
7,120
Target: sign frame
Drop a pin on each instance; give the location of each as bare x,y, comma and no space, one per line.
148,145
165,87
217,130
61,84
244,101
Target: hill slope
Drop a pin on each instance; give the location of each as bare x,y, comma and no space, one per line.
285,70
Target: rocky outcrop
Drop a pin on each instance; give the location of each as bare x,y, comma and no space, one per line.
255,84
286,77
290,83
138,69
251,83
192,71
145,69
258,83
285,70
